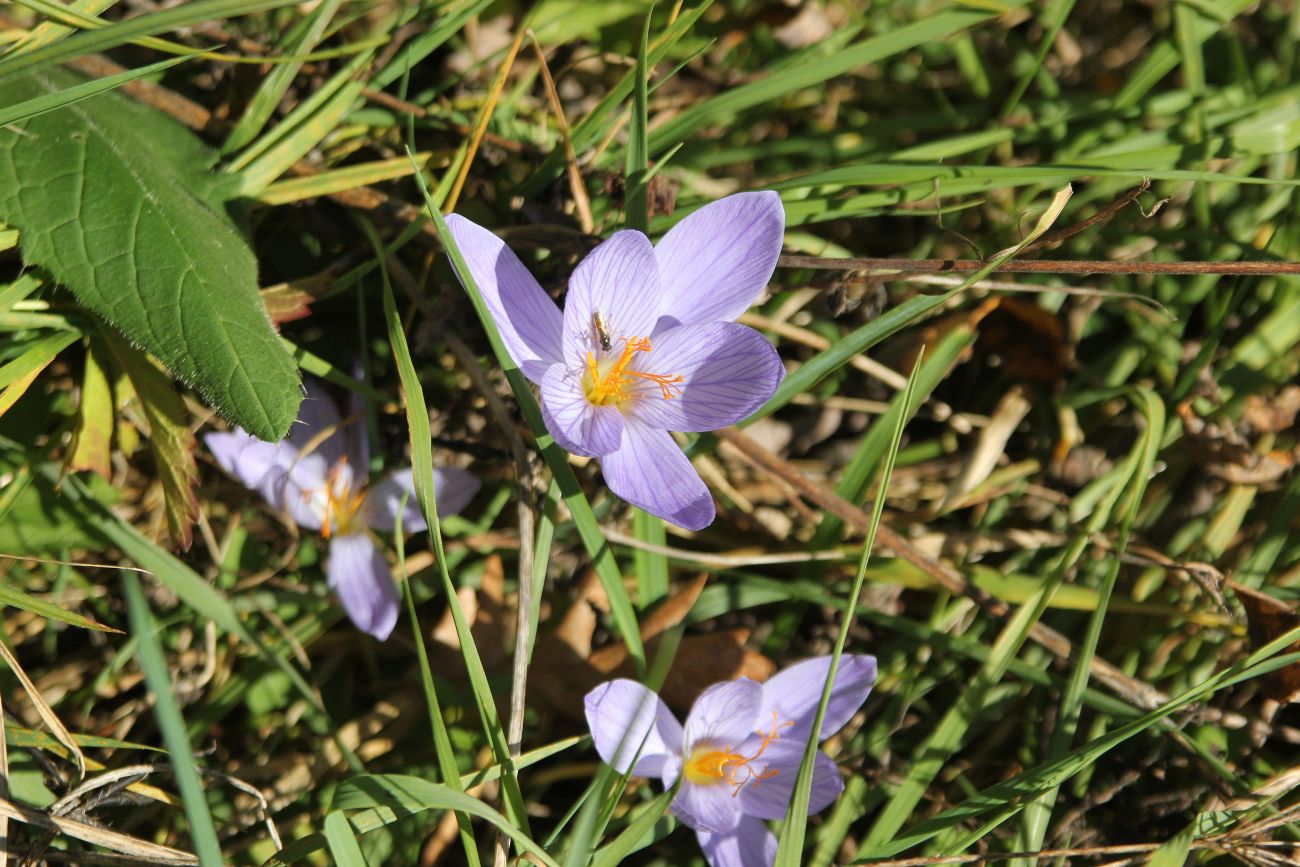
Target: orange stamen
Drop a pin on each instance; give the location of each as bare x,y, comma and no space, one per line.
611,385
706,766
340,504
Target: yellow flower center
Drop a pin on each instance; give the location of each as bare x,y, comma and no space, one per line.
341,503
708,766
606,382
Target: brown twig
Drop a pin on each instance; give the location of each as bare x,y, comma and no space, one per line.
1134,691
576,185
1030,266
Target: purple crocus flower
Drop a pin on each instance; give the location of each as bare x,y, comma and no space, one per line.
312,476
738,757
647,343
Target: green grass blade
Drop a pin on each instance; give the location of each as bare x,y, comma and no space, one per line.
120,33
401,794
344,848
634,835
41,104
584,519
276,84
203,833
790,850
417,417
931,28
441,739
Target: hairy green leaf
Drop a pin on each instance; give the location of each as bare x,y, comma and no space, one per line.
115,201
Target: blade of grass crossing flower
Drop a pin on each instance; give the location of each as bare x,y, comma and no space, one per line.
1038,814
602,556
790,851
345,851
651,566
41,104
276,83
637,833
442,747
417,417
203,833
948,736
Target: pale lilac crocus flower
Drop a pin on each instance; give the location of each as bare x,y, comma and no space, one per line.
647,343
739,754
316,476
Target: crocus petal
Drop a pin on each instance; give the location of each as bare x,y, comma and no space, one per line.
728,371
749,844
317,414
628,721
707,807
528,320
620,280
453,489
576,423
358,573
650,472
725,714
770,798
716,262
246,457
794,693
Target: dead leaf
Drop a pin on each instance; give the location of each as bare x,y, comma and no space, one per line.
1268,618
567,667
92,439
286,302
1028,340
170,437
1270,415
485,611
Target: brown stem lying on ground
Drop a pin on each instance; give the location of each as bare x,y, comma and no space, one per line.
1038,266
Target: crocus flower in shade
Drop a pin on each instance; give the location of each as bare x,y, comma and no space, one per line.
738,756
647,343
312,476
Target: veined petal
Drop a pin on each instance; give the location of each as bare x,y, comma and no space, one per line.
769,798
246,457
707,808
728,371
725,715
649,471
359,574
301,490
794,693
749,844
621,280
453,488
716,262
576,423
627,721
528,320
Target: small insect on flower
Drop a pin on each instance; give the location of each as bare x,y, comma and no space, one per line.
647,343
601,327
738,755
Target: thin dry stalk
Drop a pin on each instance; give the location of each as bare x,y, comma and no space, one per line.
578,189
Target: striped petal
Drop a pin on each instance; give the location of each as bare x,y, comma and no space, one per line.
727,370
649,471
